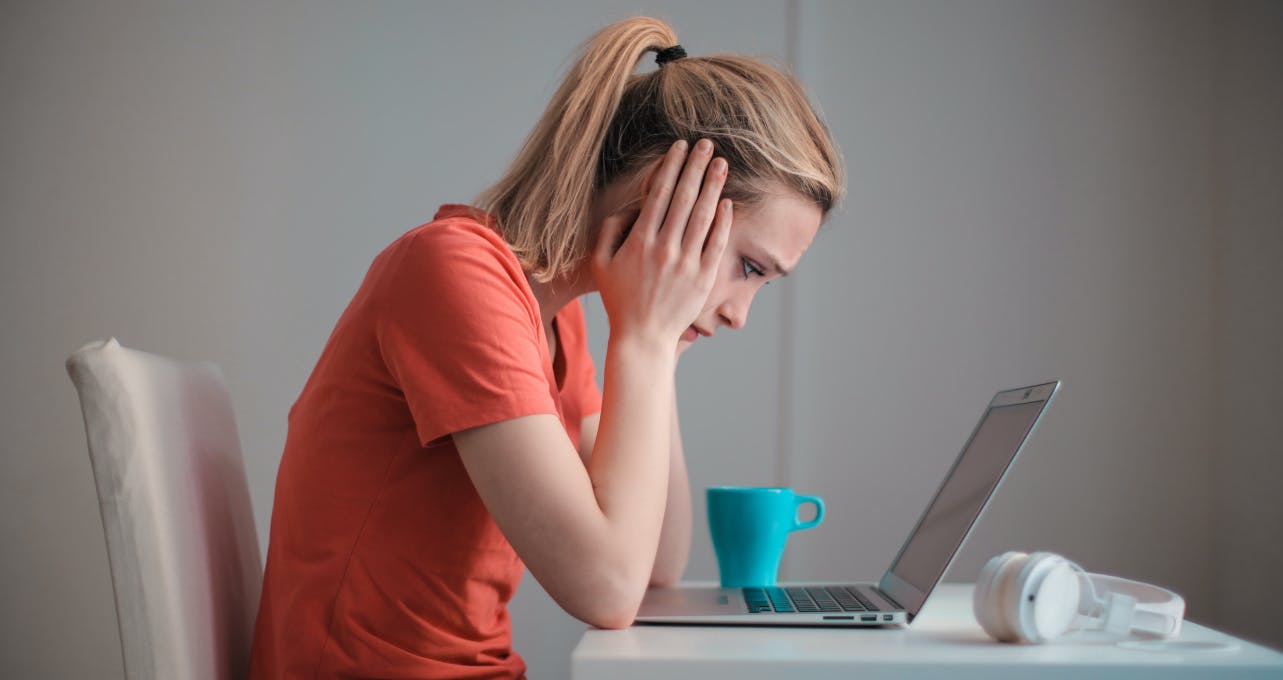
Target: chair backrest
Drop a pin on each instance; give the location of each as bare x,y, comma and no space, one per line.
185,561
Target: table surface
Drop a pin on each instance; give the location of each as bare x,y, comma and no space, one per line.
944,638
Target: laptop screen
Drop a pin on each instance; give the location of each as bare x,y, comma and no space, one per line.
966,489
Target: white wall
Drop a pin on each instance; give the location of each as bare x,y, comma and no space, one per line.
1032,196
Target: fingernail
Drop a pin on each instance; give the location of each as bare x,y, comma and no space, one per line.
705,145
681,145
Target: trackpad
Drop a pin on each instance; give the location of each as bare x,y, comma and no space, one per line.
691,600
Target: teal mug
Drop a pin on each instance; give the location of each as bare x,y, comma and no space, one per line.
749,526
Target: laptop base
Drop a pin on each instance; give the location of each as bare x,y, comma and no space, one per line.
711,605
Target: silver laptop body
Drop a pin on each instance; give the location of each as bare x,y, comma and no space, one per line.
913,574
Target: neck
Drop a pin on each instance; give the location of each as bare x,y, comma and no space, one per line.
559,292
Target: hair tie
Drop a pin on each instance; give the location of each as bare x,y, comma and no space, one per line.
669,54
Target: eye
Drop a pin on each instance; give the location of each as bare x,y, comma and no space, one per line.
751,268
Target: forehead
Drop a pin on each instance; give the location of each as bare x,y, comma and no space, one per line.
782,225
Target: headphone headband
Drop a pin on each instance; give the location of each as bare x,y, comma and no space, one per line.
1157,610
1032,597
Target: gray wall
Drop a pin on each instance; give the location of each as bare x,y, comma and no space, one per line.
1248,459
1029,200
1079,190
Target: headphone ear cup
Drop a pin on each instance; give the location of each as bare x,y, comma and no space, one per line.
998,618
1045,598
982,600
1006,599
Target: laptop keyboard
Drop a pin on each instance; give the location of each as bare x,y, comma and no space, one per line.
807,599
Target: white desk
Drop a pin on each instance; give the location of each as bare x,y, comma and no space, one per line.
944,641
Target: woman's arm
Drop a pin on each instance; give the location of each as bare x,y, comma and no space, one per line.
588,435
675,537
590,534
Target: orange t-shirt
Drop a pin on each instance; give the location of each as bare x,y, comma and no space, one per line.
383,561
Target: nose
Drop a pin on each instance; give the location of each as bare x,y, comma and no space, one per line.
733,313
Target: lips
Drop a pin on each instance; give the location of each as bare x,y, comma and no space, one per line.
694,332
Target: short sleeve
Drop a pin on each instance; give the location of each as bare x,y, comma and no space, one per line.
459,330
589,393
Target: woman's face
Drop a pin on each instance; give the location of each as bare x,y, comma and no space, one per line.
766,243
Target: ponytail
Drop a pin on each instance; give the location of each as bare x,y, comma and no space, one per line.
604,122
543,202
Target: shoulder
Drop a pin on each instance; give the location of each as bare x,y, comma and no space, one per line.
450,238
453,271
453,251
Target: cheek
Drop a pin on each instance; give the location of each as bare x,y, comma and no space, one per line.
726,269
725,280
717,295
746,294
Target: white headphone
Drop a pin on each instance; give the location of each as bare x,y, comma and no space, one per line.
1023,597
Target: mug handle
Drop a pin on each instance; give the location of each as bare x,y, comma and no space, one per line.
799,499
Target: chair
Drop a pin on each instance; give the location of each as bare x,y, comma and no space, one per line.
184,555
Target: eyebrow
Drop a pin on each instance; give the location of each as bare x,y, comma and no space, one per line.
772,263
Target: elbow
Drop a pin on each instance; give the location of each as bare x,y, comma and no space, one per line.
610,615
611,607
613,620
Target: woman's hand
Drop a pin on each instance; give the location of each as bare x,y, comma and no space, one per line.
656,283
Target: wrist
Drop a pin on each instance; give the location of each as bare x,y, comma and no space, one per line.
642,348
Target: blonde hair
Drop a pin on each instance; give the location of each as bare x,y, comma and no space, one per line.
605,122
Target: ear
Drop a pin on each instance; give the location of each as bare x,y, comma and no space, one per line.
648,175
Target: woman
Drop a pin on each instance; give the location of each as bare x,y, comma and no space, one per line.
452,430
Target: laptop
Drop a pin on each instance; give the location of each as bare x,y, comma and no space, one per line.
915,571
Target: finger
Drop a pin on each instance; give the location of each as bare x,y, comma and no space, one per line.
705,210
718,237
685,193
655,207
